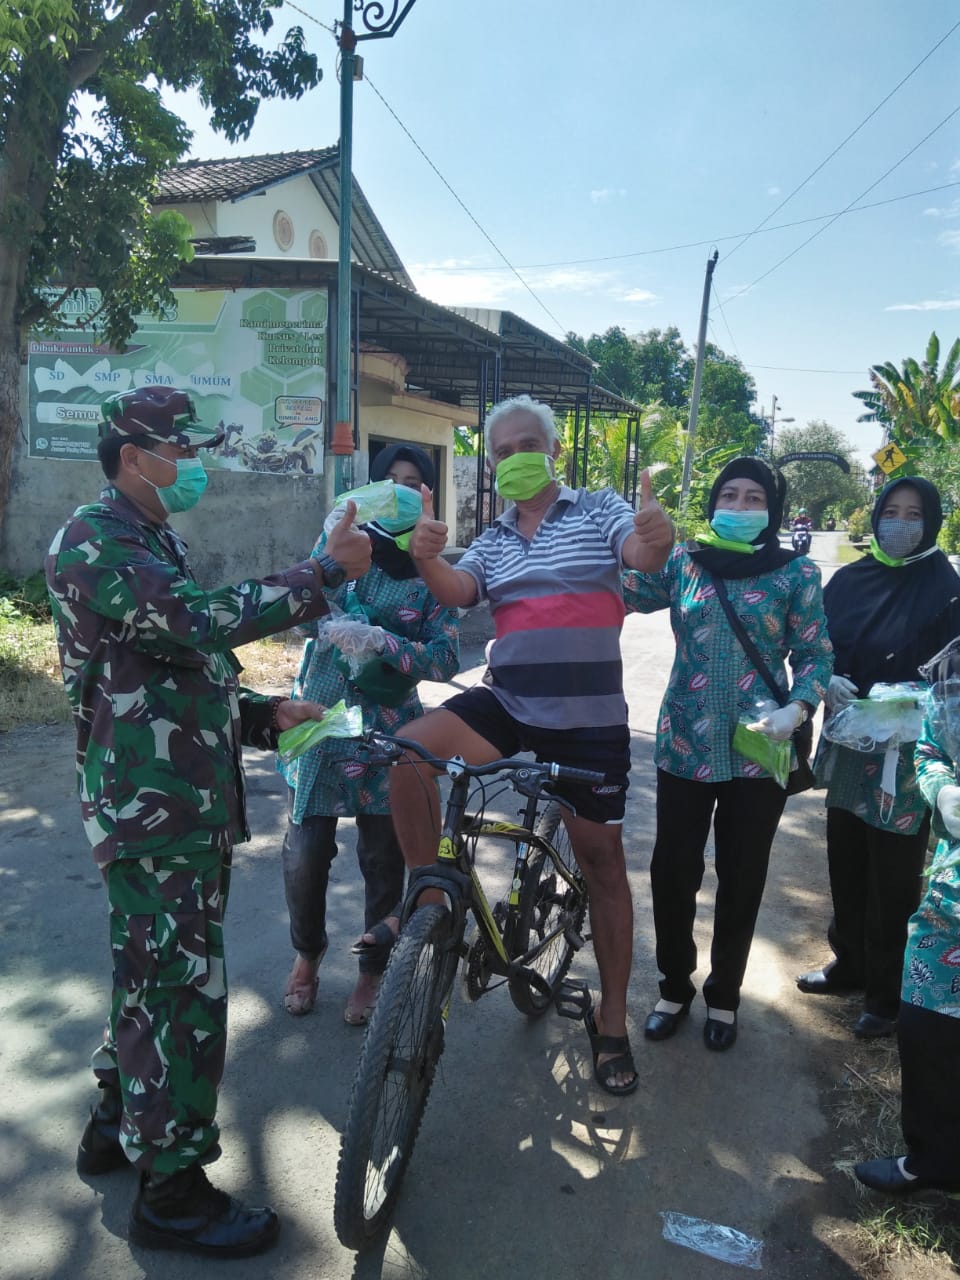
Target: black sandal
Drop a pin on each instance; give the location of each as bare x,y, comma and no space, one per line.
621,1063
384,938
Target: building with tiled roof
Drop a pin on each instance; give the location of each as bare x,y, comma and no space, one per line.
278,206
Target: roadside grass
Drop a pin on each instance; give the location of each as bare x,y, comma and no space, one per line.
927,1226
269,666
31,689
847,553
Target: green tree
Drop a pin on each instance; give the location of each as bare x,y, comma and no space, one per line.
75,197
726,394
916,401
819,485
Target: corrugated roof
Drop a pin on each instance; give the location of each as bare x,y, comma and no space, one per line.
235,178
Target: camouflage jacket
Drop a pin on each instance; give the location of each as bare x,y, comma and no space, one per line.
147,663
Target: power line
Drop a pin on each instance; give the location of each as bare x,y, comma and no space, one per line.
820,230
700,244
841,145
463,206
303,13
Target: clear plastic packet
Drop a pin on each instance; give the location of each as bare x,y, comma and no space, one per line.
890,717
357,641
394,506
726,1244
340,721
942,708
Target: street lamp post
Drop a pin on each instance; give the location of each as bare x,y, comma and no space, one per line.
773,424
379,20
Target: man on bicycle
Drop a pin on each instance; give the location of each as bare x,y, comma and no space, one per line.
550,567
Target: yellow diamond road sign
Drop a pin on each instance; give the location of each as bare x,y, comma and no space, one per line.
889,457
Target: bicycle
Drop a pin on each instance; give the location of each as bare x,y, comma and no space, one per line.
528,940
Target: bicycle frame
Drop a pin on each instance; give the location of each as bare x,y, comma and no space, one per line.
455,874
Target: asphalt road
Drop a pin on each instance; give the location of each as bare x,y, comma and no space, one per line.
524,1167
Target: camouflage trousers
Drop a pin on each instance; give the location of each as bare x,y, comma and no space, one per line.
165,1040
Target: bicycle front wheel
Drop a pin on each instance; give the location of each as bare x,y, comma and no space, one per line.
397,1064
548,906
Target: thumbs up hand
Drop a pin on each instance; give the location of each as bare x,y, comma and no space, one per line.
649,545
349,546
429,536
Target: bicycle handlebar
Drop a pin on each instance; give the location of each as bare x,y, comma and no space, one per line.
523,770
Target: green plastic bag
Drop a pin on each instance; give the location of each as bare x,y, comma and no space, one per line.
340,721
765,751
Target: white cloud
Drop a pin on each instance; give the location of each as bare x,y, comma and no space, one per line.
501,288
773,191
603,195
943,211
638,295
952,304
950,239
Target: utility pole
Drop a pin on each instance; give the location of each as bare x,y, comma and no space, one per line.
697,380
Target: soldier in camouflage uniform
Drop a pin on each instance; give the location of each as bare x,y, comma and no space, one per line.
161,717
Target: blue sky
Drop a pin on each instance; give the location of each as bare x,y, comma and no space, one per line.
587,139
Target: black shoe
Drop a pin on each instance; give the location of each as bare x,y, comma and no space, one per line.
884,1175
185,1212
870,1026
720,1035
827,982
100,1150
661,1025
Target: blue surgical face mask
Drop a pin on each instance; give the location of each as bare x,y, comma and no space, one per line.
738,526
186,491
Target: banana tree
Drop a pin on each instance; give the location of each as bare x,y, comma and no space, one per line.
917,401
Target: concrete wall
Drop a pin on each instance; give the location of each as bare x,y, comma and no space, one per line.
254,216
247,525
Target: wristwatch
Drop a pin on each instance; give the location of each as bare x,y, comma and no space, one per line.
334,575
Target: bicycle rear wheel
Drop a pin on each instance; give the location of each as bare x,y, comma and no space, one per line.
397,1063
547,903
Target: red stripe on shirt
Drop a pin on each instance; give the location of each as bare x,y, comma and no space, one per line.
536,613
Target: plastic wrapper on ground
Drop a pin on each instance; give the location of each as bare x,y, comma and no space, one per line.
710,1238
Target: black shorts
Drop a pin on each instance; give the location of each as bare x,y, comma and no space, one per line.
605,750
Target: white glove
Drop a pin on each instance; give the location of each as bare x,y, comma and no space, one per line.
355,639
948,802
781,723
840,693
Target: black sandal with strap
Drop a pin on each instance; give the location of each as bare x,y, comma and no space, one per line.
620,1064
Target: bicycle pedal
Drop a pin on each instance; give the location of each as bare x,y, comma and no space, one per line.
573,939
573,999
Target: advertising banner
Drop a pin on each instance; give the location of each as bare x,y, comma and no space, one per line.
254,361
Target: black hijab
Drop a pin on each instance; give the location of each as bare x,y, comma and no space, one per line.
387,556
769,555
886,620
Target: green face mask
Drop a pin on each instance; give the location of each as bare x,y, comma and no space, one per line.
523,475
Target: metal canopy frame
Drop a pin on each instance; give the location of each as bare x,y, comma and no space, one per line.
450,356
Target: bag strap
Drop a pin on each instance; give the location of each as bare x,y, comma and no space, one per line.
751,650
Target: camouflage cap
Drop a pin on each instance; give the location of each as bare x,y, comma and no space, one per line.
162,413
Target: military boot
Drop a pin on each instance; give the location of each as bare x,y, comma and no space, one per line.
100,1150
185,1212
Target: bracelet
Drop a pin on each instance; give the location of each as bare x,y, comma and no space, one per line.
274,708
